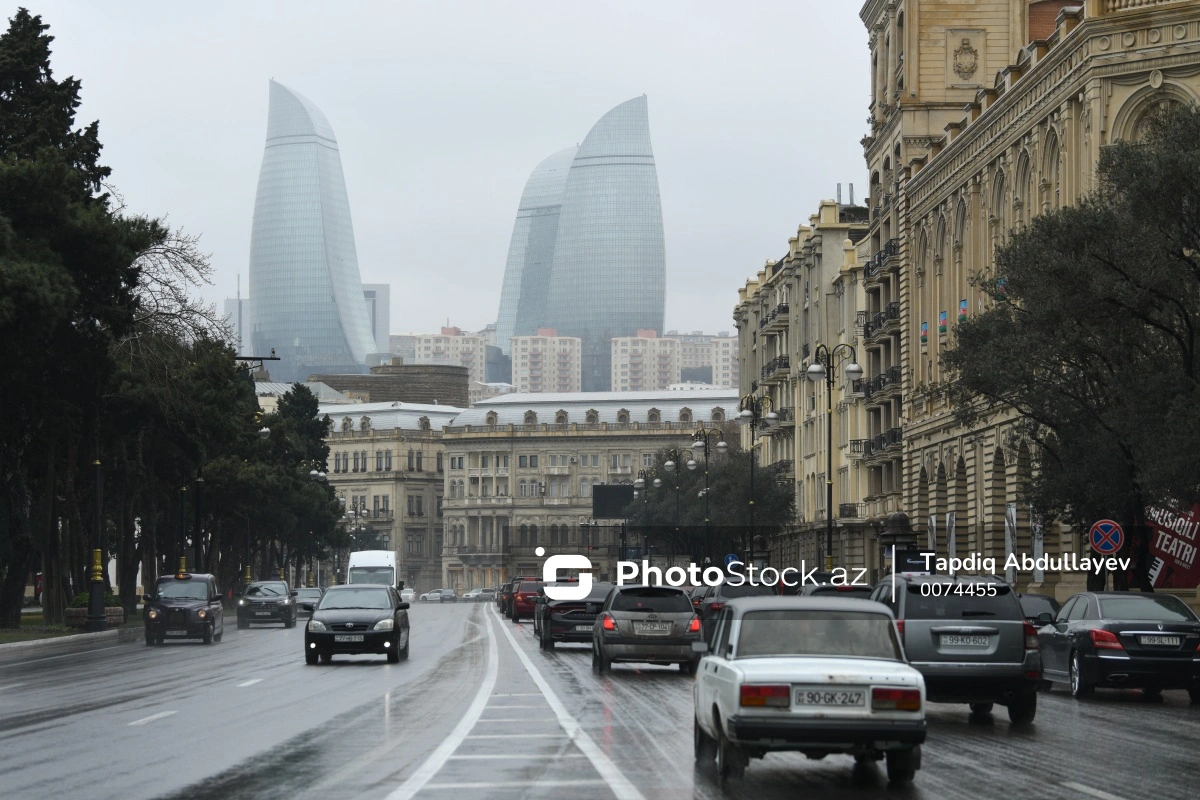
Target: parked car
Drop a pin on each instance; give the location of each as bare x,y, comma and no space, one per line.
1123,640
449,596
649,624
184,606
408,595
557,621
472,595
486,596
1034,605
717,596
307,598
434,595
267,601
821,674
357,618
968,636
506,593
524,600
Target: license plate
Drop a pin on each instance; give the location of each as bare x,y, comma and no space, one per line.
830,697
1168,641
262,613
177,633
961,641
348,637
652,628
584,627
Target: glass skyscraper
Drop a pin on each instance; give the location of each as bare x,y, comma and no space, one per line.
307,294
531,250
608,272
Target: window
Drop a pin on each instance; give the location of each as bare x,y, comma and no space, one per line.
387,461
530,418
595,459
504,462
584,488
647,460
439,505
439,461
420,457
485,461
523,489
553,534
533,536
614,461
411,461
379,461
522,461
411,505
356,461
554,461
533,462
420,506
385,503
416,544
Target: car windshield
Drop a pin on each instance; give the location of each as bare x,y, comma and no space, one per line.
380,575
787,632
659,600
528,587
183,590
746,590
1161,608
266,590
308,593
356,598
1033,605
961,600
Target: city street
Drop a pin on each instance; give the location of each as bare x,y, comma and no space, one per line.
479,711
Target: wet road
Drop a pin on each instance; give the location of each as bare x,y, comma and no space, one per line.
478,711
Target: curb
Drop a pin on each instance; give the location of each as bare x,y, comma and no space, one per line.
115,636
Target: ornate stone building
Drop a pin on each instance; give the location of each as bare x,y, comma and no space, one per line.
983,117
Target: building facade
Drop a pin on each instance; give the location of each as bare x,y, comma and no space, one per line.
452,346
546,362
387,466
645,363
307,293
434,384
379,314
705,358
521,470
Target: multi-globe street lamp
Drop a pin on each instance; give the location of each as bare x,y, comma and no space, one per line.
825,363
674,465
639,490
756,412
700,446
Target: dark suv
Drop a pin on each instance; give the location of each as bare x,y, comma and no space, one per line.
184,606
968,636
267,601
715,598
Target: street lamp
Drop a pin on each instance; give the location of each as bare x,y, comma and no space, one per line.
674,465
756,412
700,445
825,362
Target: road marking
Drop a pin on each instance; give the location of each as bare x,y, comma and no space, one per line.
249,683
437,759
1090,792
152,717
11,686
64,655
518,756
521,719
510,736
513,784
519,694
490,708
616,780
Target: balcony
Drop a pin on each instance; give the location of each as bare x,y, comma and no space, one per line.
479,549
850,510
883,260
556,501
558,470
777,369
777,319
884,385
887,319
784,469
476,502
857,447
620,470
893,438
786,414
804,351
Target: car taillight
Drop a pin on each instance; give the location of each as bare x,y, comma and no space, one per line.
715,606
1105,640
779,696
900,628
896,699
1031,637
608,624
694,625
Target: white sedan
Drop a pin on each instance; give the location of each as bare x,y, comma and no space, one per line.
433,594
815,674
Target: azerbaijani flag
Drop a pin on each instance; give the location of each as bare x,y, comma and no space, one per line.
942,321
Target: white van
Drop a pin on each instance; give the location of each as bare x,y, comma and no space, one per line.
372,566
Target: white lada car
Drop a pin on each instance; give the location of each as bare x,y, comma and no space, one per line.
815,674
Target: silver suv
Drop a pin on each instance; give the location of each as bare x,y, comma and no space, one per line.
968,636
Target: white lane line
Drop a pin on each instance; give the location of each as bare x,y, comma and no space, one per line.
513,784
152,717
1090,792
437,759
510,736
521,719
11,686
621,786
249,683
519,694
518,756
490,708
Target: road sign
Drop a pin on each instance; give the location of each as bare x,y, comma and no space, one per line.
729,559
1106,537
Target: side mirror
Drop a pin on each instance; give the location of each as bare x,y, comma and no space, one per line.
294,594
700,647
1045,618
402,606
400,586
148,598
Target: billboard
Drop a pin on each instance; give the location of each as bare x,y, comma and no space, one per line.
1174,538
611,502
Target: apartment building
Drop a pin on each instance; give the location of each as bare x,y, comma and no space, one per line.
645,362
546,362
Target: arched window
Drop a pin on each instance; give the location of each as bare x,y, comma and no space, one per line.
593,417
623,417
685,416
491,418
1023,193
553,534
364,424
533,536
584,487
653,415
1050,175
347,425
424,424
523,488
524,533
718,415
530,418
560,418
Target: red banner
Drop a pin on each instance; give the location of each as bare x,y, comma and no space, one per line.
1174,543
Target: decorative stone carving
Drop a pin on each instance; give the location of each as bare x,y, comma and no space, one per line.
966,60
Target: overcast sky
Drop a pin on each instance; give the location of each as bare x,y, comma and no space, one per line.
443,108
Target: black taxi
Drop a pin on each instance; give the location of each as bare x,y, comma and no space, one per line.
185,605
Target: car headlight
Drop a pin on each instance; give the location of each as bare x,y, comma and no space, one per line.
384,625
202,614
241,602
316,625
153,614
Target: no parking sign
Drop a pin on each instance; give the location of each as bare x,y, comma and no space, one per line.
1106,537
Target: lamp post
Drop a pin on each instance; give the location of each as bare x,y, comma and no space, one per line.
755,411
674,465
825,362
97,619
263,434
639,489
700,445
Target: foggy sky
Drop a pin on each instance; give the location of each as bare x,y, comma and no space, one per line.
442,109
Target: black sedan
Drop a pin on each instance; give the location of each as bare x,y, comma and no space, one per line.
307,599
556,621
267,601
1122,640
357,618
1034,605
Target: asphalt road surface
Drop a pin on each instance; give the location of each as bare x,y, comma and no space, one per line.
478,711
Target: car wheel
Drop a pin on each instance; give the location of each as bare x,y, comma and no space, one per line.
1152,694
981,708
403,651
1194,694
705,745
731,762
289,623
242,624
689,667
1024,708
208,635
326,658
1078,687
310,657
149,640
902,765
393,656
600,664
217,636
